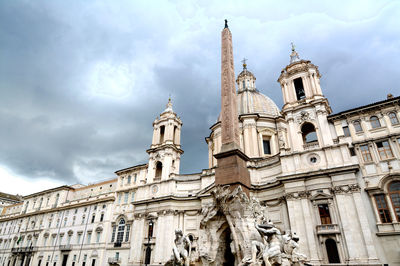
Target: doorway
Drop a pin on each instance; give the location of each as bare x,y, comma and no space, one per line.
65,259
332,251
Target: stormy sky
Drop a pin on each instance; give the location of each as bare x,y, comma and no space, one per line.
82,81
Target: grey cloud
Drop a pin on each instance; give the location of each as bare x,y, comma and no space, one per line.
53,124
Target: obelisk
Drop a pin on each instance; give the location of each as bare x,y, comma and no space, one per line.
231,161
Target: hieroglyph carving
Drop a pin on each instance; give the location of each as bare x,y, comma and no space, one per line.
229,116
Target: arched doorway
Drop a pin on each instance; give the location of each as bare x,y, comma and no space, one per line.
332,251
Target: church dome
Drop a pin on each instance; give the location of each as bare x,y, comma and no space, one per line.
249,99
254,102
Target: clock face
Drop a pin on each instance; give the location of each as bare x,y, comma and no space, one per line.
154,189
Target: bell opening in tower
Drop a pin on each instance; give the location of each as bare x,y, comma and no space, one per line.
298,86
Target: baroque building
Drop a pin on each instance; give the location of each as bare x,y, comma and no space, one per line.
334,179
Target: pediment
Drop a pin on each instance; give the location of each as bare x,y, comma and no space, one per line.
320,196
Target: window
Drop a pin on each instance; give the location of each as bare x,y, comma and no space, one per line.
126,197
384,150
119,198
69,239
93,217
352,151
76,211
73,220
78,240
158,170
134,178
357,126
89,237
393,118
121,229
298,86
113,233
394,193
101,217
65,222
98,237
346,131
324,214
83,219
266,146
57,198
162,131
151,227
40,203
309,134
366,155
375,122
383,209
129,179
45,241
128,227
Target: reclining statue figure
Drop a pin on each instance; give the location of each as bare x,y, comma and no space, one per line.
181,249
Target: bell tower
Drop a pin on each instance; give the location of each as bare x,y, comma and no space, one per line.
165,150
305,107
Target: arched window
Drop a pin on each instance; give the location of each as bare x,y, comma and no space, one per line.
120,232
357,126
158,170
162,132
375,122
394,193
309,133
298,86
332,251
393,118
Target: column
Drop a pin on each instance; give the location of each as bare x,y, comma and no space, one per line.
369,244
347,217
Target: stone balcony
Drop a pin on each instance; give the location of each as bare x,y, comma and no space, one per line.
65,247
328,229
114,260
310,146
24,250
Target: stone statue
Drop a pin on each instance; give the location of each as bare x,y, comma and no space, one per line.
181,249
292,248
272,249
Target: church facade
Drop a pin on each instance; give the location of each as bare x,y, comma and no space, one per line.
334,179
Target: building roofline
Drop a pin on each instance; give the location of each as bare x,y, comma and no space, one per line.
139,166
367,107
48,190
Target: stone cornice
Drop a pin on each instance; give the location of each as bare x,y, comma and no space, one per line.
165,146
320,172
365,109
61,208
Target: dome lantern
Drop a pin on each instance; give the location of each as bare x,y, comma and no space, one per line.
246,80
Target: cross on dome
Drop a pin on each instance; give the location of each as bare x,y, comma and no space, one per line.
244,63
